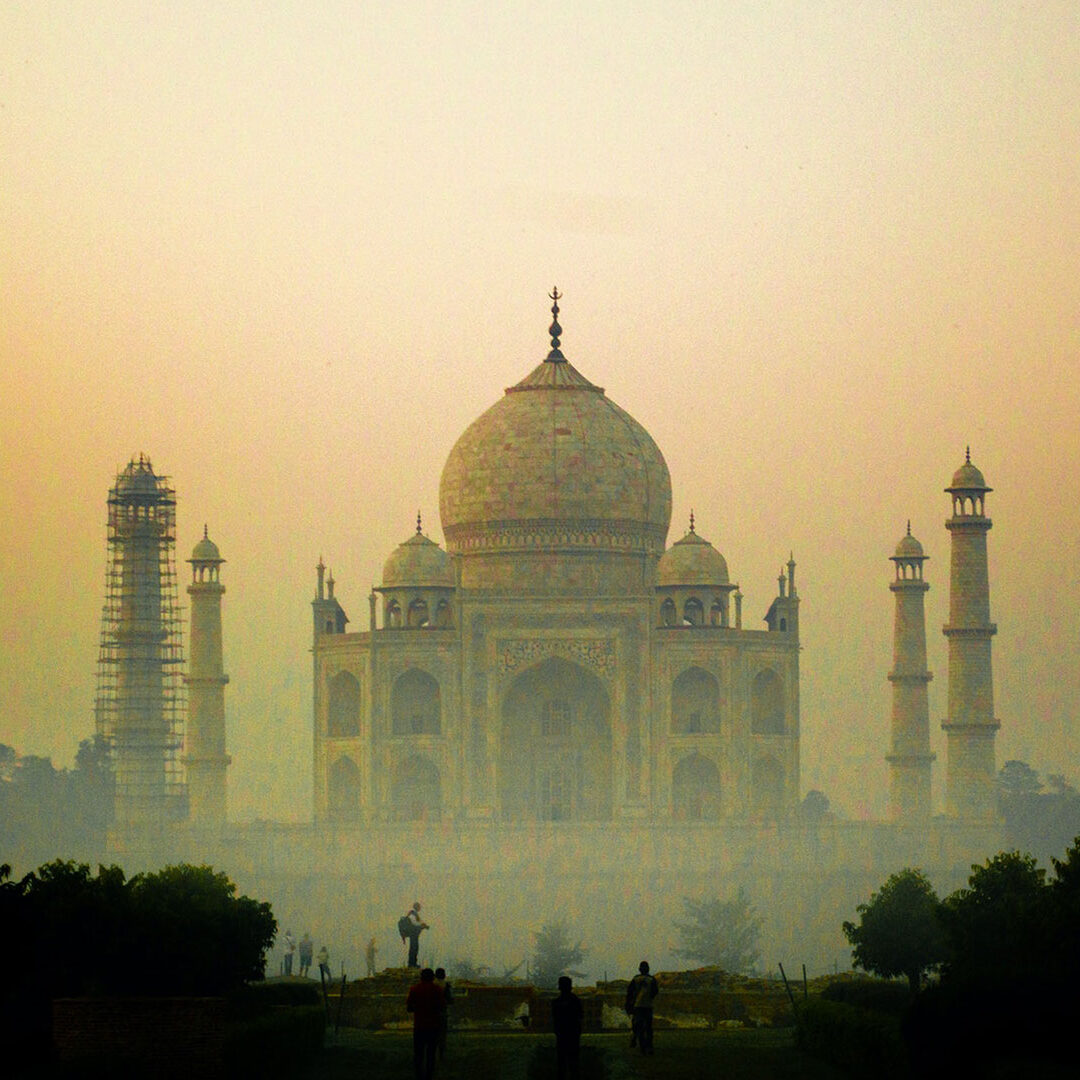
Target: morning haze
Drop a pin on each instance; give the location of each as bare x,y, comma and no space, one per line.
292,256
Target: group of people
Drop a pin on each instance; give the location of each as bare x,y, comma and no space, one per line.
307,954
428,1001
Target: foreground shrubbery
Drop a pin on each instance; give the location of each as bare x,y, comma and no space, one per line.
273,1029
1007,950
862,1041
71,933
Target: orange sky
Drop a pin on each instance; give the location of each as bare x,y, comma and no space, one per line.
291,250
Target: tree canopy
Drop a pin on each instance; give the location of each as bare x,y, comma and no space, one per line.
181,930
553,955
900,930
720,933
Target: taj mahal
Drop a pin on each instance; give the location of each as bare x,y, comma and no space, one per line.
556,662
561,697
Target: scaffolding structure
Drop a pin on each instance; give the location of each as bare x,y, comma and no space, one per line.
140,702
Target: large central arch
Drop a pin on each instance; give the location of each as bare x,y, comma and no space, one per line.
555,746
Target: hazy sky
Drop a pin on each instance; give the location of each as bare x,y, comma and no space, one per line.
291,250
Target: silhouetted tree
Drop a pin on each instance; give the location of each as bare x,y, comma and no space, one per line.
1017,778
720,933
993,924
553,955
815,806
900,930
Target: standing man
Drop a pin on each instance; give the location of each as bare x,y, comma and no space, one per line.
566,1021
324,964
306,948
290,950
410,926
369,957
639,1000
427,1005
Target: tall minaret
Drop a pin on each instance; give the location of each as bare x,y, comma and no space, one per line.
970,725
205,755
909,757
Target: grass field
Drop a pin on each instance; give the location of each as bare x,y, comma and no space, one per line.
680,1055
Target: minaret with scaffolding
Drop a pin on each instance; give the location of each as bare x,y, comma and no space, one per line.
140,688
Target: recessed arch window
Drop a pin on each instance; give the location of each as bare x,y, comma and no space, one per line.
693,612
418,613
668,614
695,789
766,787
343,789
767,704
343,712
415,790
695,703
415,705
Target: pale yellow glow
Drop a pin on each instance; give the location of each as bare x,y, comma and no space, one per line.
290,250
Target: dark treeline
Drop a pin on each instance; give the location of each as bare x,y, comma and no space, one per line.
1003,953
70,932
46,812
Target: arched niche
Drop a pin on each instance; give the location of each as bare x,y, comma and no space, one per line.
415,707
343,707
668,614
695,703
415,790
695,789
693,612
418,613
343,789
555,746
766,787
767,704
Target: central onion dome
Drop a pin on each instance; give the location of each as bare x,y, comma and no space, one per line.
555,467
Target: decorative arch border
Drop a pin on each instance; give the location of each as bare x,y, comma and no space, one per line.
598,656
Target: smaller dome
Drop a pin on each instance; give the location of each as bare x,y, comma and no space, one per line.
419,561
967,477
692,561
909,548
206,551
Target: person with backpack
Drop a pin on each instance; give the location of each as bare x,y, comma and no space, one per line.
410,926
640,992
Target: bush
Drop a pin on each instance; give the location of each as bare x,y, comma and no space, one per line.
880,995
261,997
277,1043
863,1042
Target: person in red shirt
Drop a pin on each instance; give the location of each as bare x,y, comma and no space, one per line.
428,1005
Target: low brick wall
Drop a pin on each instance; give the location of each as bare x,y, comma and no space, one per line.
380,1003
169,1037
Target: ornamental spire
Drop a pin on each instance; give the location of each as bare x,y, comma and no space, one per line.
419,527
555,330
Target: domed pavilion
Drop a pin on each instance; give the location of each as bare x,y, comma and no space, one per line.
557,661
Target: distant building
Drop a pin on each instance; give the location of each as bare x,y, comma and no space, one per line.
557,662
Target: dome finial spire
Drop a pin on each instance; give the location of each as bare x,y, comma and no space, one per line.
967,455
555,329
691,520
419,527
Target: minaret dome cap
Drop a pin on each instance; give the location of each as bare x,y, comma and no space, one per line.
909,548
205,550
967,477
